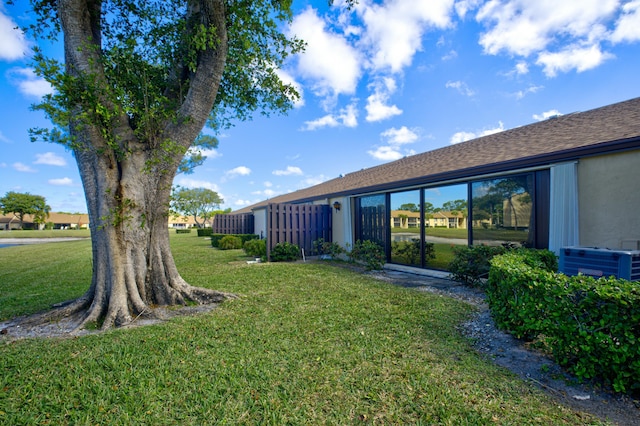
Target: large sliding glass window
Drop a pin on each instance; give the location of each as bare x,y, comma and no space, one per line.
503,211
406,246
445,223
421,227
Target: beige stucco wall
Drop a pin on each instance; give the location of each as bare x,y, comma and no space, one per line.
609,201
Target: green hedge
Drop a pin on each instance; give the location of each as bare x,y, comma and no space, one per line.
183,231
591,326
205,232
215,238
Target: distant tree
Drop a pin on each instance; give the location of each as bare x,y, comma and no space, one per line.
22,204
201,203
456,207
410,207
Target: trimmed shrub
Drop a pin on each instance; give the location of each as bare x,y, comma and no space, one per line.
255,248
183,231
230,242
589,325
215,238
332,249
471,264
205,232
284,252
368,252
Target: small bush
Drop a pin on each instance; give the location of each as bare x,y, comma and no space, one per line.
230,242
284,252
471,264
255,248
368,252
183,231
205,232
215,238
332,249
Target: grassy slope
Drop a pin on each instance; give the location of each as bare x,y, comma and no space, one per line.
306,344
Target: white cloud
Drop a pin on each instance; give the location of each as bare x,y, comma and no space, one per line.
28,82
394,29
522,68
400,136
242,203
238,171
290,170
563,35
13,45
51,159
313,180
464,6
23,168
209,153
386,153
65,181
465,136
377,103
461,87
578,58
395,139
324,50
531,89
195,183
267,184
547,114
523,27
451,55
628,25
268,193
347,117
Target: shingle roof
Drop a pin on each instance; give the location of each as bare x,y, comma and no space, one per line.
607,129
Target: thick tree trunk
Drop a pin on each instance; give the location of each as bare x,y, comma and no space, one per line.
128,180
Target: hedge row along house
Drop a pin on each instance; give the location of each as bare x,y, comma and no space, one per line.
571,180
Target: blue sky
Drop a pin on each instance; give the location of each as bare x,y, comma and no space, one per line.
386,80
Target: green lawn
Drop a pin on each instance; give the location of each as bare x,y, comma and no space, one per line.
48,233
305,344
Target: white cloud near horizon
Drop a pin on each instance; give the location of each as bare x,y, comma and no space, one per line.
21,167
13,44
28,83
195,183
395,139
50,159
461,87
466,136
65,181
289,171
547,114
347,117
238,171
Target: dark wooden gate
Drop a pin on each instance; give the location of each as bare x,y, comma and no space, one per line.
242,223
299,224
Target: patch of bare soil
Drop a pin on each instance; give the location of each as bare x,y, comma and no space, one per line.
15,328
516,356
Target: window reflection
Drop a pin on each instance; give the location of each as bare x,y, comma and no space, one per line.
405,228
445,223
372,219
502,211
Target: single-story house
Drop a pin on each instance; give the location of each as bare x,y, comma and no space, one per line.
571,180
57,221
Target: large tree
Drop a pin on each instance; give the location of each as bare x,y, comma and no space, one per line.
22,204
140,80
201,203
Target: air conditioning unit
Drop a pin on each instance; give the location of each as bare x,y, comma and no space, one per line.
600,262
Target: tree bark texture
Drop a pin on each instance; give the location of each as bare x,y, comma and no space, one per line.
127,180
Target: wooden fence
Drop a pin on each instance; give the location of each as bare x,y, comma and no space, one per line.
242,223
299,224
